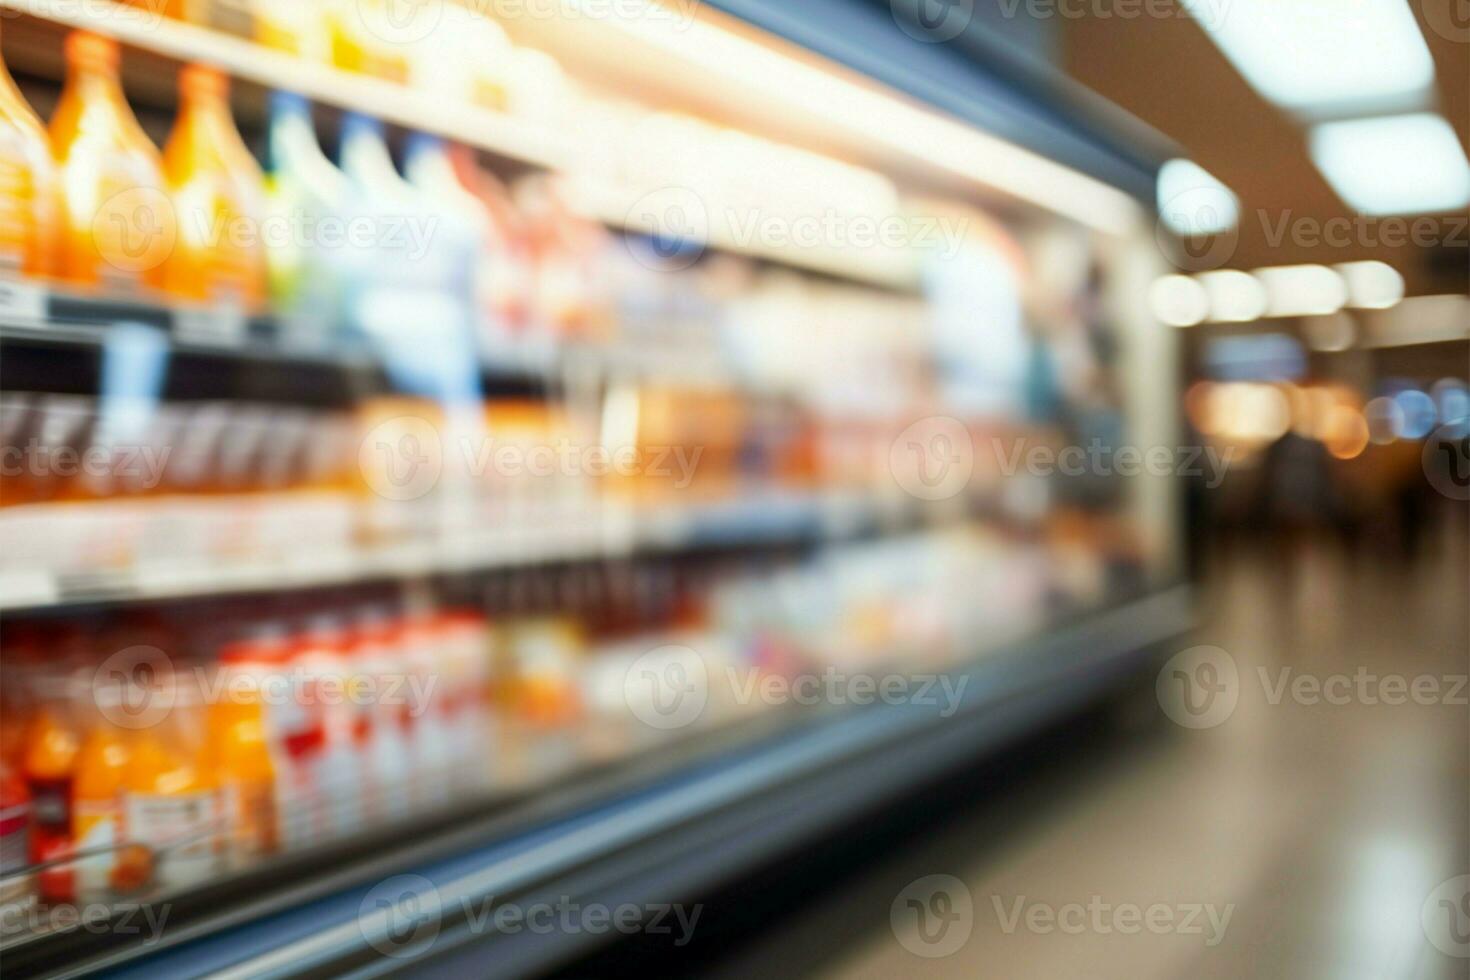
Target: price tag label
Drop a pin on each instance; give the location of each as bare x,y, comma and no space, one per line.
219,328
27,587
22,302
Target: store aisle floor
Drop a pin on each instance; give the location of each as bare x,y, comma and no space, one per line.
1311,835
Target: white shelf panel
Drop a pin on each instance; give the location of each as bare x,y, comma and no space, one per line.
607,532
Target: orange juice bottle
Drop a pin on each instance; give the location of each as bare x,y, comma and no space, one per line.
49,767
238,752
30,221
170,804
102,765
218,193
120,227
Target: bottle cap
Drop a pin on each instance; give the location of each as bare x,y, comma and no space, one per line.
91,49
202,81
355,123
289,104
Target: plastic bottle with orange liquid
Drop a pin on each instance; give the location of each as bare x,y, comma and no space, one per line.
238,751
120,228
170,802
218,193
101,768
30,217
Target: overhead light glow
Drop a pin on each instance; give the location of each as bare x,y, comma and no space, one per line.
1179,301
1385,418
1372,285
1410,164
1302,290
1323,56
1235,296
901,126
1193,202
1419,414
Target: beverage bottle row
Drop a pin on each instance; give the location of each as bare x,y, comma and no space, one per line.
351,243
145,771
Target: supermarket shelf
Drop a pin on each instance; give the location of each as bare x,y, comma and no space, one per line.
33,315
609,532
508,136
257,341
643,835
148,30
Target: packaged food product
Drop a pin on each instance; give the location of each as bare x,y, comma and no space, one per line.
294,27
464,58
504,279
376,661
321,657
170,806
306,194
570,300
101,769
374,37
219,197
239,752
30,214
120,227
464,693
464,230
49,768
419,698
295,731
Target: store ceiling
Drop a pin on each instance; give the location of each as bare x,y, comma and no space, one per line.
1170,74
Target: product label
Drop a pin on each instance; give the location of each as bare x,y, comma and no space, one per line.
96,830
181,831
133,230
250,814
301,814
51,803
17,192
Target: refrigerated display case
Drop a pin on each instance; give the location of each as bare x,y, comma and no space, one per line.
607,448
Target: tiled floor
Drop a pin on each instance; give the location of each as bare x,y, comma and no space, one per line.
1322,828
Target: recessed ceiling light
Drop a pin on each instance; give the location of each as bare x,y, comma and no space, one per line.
1410,164
1193,202
1323,56
1372,285
1179,301
1302,290
1235,296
